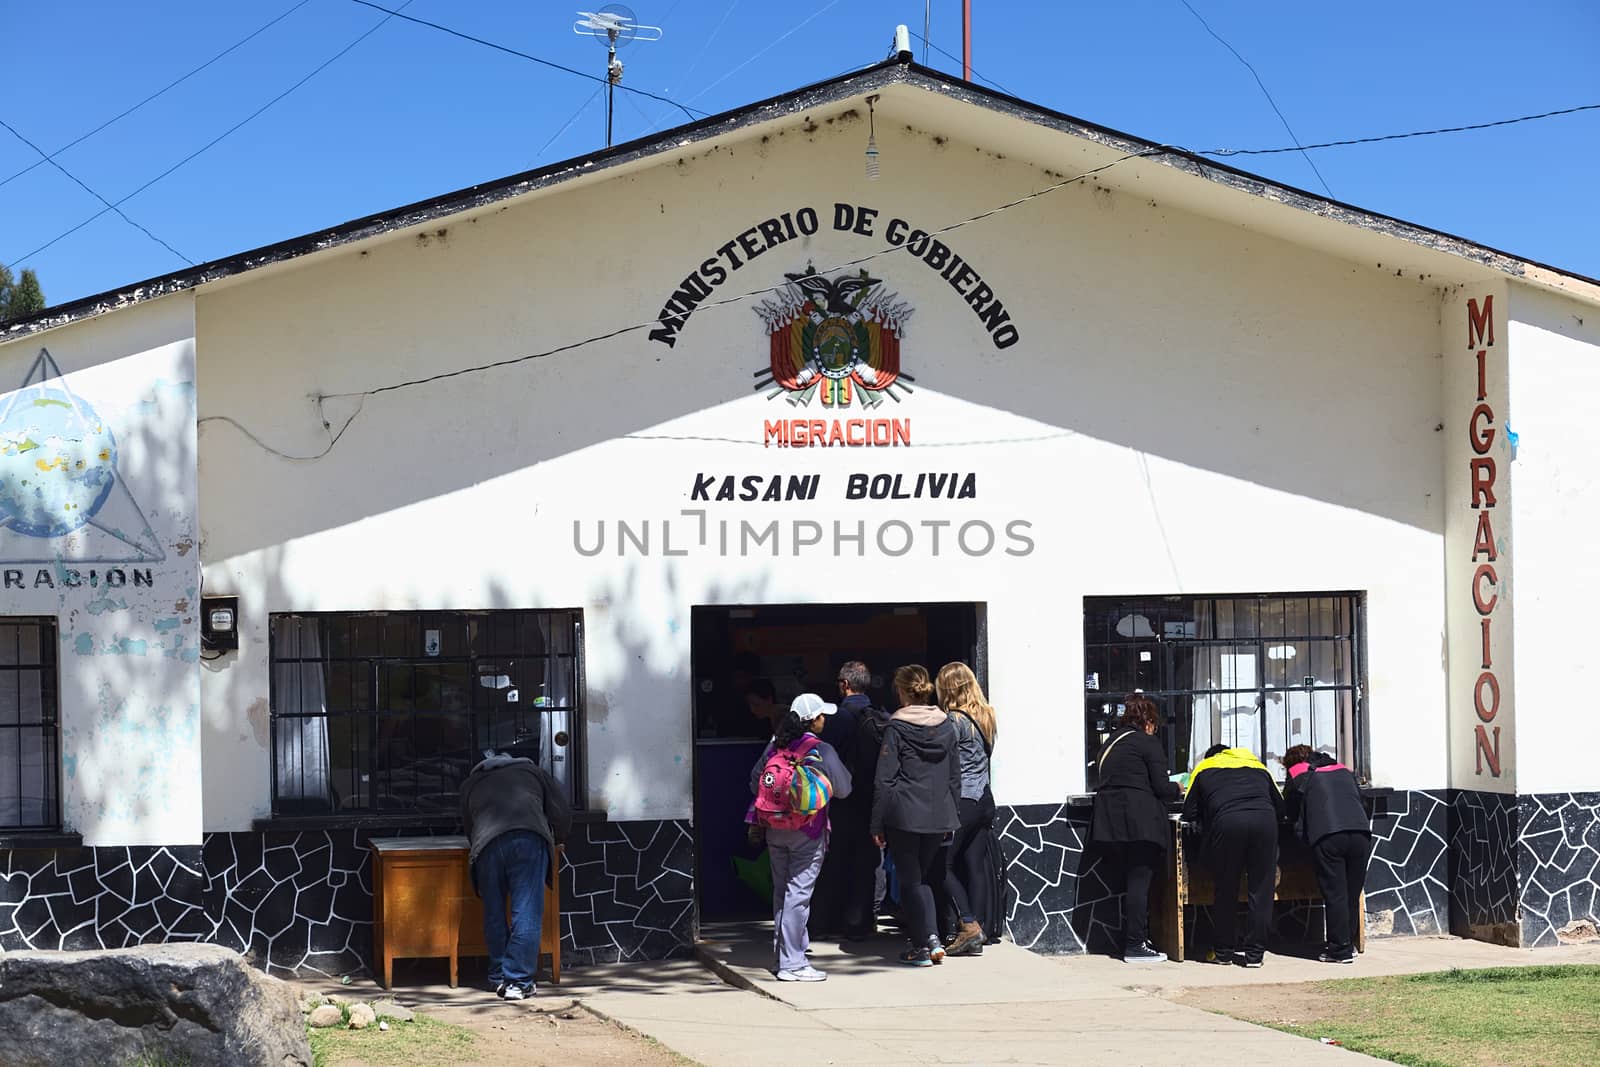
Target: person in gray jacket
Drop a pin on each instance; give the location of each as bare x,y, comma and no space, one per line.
514,814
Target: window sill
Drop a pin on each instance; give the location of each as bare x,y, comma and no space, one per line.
382,821
22,840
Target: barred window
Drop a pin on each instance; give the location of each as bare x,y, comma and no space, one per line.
389,711
1262,672
30,783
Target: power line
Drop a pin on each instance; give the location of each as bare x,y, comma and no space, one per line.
691,112
929,44
763,291
159,92
1264,92
324,65
568,124
361,396
1398,136
85,187
823,10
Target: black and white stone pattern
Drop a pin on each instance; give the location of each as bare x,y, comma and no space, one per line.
1066,895
1559,854
1408,879
1484,894
301,903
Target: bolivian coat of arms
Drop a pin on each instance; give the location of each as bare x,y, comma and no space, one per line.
835,338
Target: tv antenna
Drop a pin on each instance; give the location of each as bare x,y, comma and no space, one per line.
616,25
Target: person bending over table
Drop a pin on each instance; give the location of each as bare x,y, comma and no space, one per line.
1324,802
1238,806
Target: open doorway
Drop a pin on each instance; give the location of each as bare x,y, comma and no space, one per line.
796,648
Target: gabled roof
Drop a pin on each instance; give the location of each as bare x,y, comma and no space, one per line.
893,76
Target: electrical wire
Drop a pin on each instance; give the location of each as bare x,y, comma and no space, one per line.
85,187
158,93
823,10
1264,92
1399,136
334,440
554,137
693,113
763,291
361,395
324,65
957,59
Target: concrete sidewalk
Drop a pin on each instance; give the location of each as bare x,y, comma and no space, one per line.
1009,1006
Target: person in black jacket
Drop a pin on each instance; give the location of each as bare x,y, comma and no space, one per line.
1130,817
514,814
1236,801
851,832
914,804
1324,802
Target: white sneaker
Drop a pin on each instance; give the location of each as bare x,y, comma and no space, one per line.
520,992
807,973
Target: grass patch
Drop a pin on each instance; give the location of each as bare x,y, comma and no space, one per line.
1499,1017
424,1042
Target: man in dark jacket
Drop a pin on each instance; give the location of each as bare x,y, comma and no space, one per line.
1238,806
843,898
514,814
1130,817
1323,799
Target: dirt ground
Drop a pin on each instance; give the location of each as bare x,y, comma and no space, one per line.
1300,1004
551,1029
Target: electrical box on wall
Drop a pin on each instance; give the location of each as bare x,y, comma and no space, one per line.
219,623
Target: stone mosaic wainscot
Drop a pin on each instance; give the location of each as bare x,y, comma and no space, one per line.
1066,898
301,903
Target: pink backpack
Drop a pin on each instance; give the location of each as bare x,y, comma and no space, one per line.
792,787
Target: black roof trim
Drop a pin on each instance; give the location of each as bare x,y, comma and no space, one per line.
890,71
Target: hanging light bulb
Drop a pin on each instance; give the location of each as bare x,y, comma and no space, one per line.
872,142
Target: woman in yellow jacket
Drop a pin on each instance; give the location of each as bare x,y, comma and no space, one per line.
1238,806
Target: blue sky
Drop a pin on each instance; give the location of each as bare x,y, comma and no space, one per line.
410,113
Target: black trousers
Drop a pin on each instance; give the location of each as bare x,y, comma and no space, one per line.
915,857
846,885
973,863
1245,844
1341,863
1138,860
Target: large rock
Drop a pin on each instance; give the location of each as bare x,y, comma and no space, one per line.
184,1003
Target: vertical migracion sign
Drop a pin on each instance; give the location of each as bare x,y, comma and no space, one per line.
1478,558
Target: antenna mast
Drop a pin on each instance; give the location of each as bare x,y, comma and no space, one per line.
616,25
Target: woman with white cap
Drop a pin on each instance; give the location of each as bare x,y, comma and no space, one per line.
793,782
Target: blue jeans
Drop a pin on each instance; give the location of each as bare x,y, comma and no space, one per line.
513,867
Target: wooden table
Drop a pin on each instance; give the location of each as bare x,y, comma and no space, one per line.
1192,883
423,905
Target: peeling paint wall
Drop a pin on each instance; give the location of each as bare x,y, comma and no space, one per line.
97,498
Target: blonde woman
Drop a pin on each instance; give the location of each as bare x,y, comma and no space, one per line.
971,883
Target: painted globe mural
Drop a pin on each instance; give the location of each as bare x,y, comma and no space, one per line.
58,463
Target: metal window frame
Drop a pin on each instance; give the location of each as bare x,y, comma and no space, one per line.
49,725
577,711
1357,744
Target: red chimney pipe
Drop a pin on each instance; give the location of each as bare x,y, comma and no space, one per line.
966,40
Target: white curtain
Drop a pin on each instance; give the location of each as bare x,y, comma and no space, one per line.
302,743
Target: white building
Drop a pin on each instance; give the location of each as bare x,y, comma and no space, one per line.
572,450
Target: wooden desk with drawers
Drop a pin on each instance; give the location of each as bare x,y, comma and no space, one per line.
423,905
